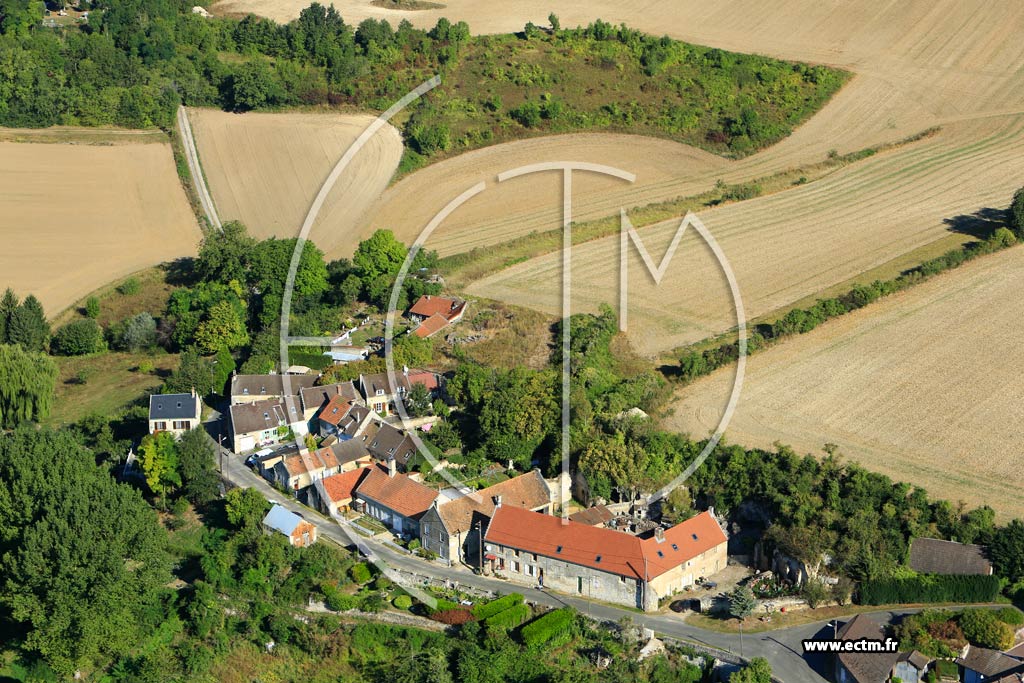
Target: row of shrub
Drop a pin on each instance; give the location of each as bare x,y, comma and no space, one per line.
552,626
489,609
510,618
930,588
696,364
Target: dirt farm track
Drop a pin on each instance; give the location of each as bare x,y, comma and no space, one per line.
74,217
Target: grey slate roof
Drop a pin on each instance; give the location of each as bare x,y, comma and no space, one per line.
935,556
259,416
317,396
270,385
281,519
987,662
866,667
172,407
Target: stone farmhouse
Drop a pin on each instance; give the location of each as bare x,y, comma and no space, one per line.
875,667
451,528
532,548
395,499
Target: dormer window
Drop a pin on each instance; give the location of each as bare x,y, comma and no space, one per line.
380,392
245,391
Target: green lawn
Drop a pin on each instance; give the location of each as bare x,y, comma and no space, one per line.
112,381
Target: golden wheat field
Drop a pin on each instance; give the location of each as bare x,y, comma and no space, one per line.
923,386
265,170
73,217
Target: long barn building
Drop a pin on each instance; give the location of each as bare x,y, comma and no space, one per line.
534,548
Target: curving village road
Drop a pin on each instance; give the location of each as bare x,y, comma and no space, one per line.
782,648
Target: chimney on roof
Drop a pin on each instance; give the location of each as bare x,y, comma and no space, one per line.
659,534
497,501
392,467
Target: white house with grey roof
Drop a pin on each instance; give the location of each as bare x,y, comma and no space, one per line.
174,413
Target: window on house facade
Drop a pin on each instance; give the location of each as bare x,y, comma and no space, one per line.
180,424
579,584
531,570
159,426
515,566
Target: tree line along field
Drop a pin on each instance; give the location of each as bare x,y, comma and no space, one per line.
73,217
919,386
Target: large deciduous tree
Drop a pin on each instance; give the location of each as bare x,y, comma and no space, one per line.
223,328
224,256
27,380
158,455
379,255
196,455
78,338
1017,214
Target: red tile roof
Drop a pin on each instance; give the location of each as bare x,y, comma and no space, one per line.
428,306
612,551
399,493
528,491
335,410
340,488
431,326
424,377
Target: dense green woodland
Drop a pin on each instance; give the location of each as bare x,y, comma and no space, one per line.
135,61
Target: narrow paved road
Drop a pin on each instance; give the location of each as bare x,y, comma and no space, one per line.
782,648
196,171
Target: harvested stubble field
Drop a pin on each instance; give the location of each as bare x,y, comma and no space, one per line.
790,245
265,170
917,65
922,386
75,216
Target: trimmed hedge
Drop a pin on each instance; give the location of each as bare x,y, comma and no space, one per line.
510,618
489,609
402,602
930,588
548,627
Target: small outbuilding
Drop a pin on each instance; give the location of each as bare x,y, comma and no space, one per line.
299,532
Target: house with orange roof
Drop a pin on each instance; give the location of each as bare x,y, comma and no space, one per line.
450,528
395,499
635,570
434,313
339,491
299,470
